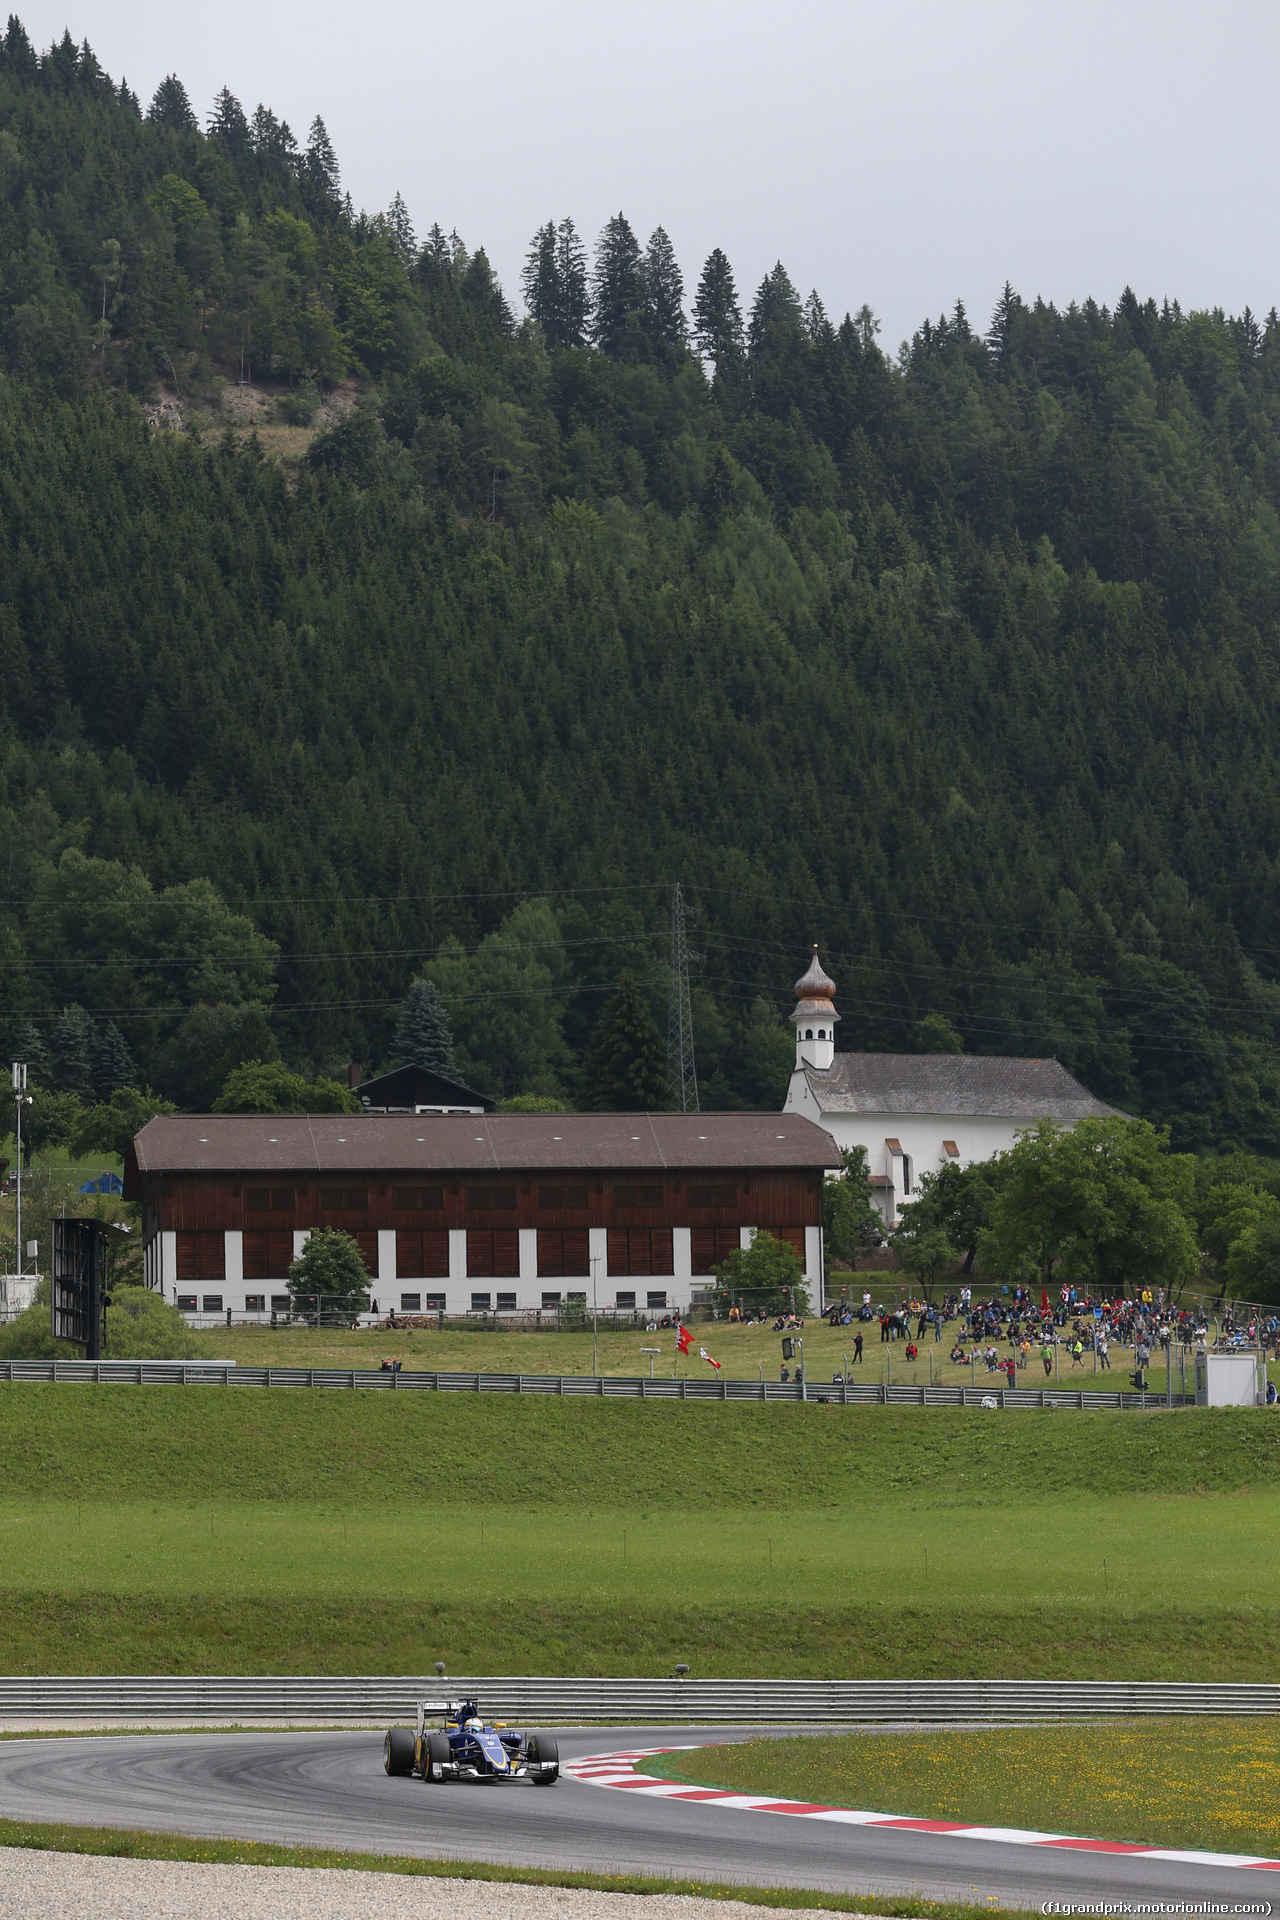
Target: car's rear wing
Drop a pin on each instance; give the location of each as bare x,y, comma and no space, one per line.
434,1706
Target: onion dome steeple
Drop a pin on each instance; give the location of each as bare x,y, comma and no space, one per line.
815,1017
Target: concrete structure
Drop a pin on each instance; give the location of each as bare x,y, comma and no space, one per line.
916,1112
476,1213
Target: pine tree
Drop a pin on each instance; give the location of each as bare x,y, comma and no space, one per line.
717,319
320,162
571,270
540,282
663,294
617,284
1007,307
229,123
400,231
170,106
776,309
424,1037
554,279
111,1064
625,1069
69,1069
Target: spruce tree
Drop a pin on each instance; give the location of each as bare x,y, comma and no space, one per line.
571,273
69,1054
171,107
320,162
540,281
229,123
625,1069
776,309
400,231
111,1064
617,285
424,1037
663,294
717,319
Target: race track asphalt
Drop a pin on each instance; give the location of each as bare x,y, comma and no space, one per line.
328,1789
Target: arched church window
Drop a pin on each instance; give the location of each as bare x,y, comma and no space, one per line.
808,1033
822,1033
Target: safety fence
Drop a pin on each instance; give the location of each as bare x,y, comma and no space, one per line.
237,1698
193,1373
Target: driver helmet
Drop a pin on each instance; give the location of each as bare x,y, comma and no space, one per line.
474,1725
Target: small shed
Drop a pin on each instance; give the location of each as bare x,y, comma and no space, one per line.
1228,1379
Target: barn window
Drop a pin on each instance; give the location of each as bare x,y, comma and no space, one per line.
344,1199
269,1199
481,1199
637,1196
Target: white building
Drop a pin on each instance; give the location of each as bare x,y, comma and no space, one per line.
916,1112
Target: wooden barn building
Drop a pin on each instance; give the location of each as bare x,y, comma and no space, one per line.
476,1213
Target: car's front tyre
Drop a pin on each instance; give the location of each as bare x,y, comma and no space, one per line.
544,1755
436,1755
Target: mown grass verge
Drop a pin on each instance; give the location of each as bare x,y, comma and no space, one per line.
383,1449
1204,1784
285,1634
121,1843
214,1530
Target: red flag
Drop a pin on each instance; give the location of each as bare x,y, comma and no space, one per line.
684,1341
1044,1301
707,1357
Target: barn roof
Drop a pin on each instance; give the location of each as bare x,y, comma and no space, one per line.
996,1085
472,1143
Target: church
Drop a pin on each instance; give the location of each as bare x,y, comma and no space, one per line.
916,1112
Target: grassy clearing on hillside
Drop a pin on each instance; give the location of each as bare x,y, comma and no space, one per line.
1108,1781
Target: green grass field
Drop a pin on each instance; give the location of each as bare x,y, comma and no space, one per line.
745,1353
210,1529
1109,1781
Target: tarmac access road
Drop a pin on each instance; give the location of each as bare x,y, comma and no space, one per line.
328,1789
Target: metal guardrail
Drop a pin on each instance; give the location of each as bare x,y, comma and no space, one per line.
230,1698
191,1373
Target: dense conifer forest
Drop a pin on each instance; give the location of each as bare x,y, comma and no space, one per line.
961,660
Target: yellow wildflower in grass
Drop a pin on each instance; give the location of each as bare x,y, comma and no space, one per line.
1212,1783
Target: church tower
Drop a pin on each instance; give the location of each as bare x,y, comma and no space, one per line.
815,1018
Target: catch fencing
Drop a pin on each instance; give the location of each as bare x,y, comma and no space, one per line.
243,1698
180,1373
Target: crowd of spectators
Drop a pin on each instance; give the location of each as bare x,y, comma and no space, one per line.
1012,1331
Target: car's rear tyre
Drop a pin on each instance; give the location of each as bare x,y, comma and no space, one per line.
542,1748
435,1753
397,1751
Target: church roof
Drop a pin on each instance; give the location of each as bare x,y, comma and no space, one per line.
996,1085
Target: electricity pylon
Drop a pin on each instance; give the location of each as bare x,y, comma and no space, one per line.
680,1066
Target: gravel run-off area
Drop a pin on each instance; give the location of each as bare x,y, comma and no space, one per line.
48,1886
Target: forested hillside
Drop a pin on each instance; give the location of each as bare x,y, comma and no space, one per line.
962,662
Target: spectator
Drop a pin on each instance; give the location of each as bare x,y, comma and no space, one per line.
1046,1354
857,1348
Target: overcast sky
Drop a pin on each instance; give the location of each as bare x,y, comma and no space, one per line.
903,155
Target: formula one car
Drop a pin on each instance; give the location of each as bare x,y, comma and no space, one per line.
465,1748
